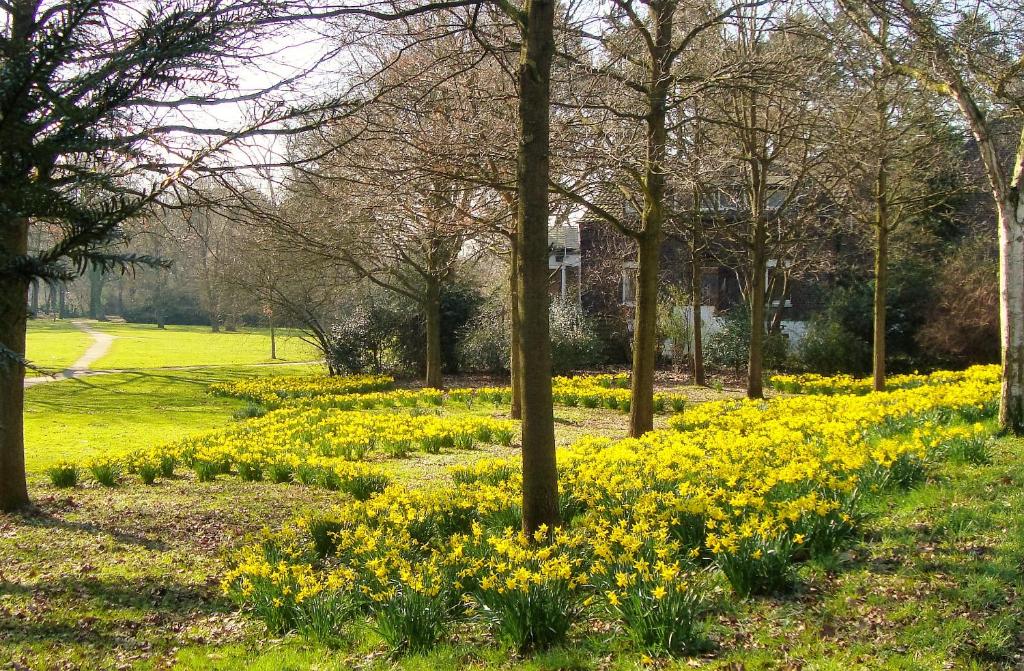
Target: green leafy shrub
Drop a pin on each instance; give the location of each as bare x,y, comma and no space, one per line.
575,344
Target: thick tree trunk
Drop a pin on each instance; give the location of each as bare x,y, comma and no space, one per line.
881,282
645,334
432,308
540,473
755,362
62,292
13,297
34,300
696,280
515,364
1011,311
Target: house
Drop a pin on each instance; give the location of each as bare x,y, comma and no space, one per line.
594,264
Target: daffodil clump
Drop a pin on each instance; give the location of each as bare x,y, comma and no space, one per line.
812,383
272,391
736,493
327,447
368,392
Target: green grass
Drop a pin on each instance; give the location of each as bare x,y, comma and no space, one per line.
54,345
146,346
126,577
81,418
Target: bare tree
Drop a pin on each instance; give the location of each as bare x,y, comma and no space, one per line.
771,123
973,57
641,63
888,154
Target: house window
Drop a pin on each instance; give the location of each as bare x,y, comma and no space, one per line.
629,283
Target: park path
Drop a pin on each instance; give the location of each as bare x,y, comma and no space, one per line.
101,343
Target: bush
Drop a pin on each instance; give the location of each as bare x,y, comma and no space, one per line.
384,332
486,343
676,327
729,346
574,341
829,348
963,320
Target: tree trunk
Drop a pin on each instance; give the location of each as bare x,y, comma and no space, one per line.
1011,311
881,282
540,473
645,329
645,335
432,307
515,365
13,309
696,282
273,336
62,292
96,294
759,267
34,298
775,324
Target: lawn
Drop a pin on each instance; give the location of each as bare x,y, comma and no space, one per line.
128,576
80,418
146,346
54,345
125,578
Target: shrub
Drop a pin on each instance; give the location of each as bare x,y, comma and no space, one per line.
829,348
575,344
729,346
486,344
675,328
63,475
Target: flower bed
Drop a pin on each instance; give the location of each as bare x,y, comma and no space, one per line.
736,493
812,383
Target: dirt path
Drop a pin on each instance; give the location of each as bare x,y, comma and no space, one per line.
101,343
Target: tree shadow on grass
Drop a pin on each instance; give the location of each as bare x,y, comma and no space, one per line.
42,519
104,614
